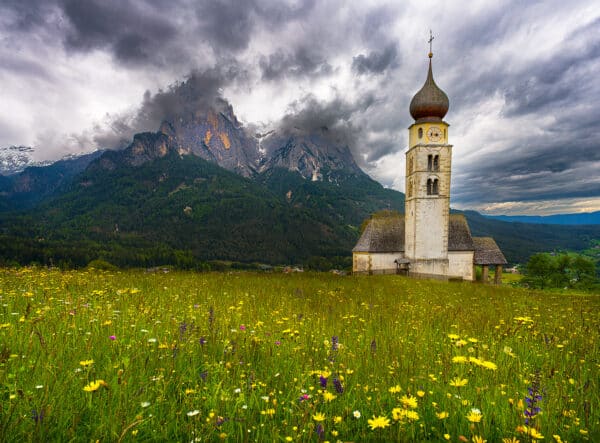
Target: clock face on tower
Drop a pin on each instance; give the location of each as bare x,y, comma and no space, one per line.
434,134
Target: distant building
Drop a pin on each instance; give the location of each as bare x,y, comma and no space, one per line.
427,240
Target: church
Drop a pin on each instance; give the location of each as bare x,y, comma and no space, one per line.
427,240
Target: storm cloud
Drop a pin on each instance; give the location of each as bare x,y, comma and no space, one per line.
79,75
375,62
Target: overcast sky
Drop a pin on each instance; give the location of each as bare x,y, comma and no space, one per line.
522,78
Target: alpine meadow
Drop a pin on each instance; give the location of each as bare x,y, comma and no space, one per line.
130,356
274,221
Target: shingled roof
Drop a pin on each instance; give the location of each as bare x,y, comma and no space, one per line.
487,252
382,234
459,234
386,234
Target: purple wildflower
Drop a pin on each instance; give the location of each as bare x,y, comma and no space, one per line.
323,381
533,399
334,343
337,384
320,431
38,418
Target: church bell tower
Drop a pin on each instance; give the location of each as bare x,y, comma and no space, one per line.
428,164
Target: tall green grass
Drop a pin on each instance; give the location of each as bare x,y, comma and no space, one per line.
303,357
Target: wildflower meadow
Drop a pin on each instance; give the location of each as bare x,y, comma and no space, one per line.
133,356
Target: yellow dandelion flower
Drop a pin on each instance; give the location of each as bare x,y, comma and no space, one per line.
328,396
409,402
412,415
535,434
557,438
85,363
453,336
478,439
474,415
447,436
489,365
398,414
395,389
459,359
420,394
511,440
190,391
337,419
319,416
335,433
378,422
458,382
94,385
442,415
475,361
460,343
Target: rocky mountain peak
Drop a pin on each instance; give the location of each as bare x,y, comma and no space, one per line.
314,155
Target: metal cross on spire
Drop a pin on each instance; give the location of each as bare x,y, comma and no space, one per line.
430,41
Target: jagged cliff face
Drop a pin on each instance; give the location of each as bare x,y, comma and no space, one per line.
215,135
212,133
315,156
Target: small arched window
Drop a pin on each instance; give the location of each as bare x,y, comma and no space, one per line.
429,162
429,186
436,163
420,132
435,190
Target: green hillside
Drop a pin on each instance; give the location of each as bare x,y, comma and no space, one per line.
182,210
519,241
185,211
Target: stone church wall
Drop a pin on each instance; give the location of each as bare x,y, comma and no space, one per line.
365,262
460,263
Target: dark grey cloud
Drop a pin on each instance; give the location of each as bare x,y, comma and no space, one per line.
227,23
230,24
200,91
377,23
25,15
543,167
133,32
333,119
375,62
303,62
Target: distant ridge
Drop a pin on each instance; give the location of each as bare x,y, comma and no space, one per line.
586,218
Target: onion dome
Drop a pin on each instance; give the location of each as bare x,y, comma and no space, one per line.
430,103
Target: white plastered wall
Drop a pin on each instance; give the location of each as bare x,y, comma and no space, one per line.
460,264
